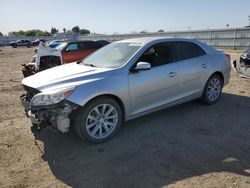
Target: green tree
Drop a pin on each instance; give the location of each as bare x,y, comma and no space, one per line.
143,32
39,33
16,33
1,34
30,33
53,30
160,31
42,33
64,30
46,33
21,32
76,29
84,31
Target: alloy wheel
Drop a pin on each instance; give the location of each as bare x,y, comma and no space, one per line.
101,121
214,89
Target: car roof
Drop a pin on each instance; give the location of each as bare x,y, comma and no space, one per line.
146,40
77,41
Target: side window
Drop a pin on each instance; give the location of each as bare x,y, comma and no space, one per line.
72,47
187,50
158,55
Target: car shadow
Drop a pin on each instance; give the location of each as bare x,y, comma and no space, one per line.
188,140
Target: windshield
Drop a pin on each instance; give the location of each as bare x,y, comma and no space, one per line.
60,46
112,56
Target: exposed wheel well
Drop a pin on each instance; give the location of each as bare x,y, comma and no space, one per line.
117,99
48,62
220,75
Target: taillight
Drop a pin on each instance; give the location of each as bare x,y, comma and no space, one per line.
228,56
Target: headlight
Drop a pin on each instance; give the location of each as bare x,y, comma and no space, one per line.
49,98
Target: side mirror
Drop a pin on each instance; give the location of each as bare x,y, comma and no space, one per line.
143,66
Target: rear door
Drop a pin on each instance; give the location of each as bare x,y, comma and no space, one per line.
159,85
193,68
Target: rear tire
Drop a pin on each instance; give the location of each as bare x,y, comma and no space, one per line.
99,120
212,90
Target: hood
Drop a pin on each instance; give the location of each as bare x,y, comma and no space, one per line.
67,75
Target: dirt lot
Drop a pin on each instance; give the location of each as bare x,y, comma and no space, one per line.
191,145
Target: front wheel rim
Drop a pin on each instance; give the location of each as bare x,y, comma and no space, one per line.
102,121
214,89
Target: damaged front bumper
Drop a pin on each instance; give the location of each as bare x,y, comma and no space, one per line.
28,113
57,115
28,70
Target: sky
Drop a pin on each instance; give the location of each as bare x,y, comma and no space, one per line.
116,16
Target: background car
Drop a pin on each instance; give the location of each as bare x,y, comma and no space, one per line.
76,51
21,42
54,43
37,41
243,67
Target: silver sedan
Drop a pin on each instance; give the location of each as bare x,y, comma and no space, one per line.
122,81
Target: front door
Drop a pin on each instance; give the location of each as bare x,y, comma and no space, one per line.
157,86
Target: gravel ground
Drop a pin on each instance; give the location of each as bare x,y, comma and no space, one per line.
190,145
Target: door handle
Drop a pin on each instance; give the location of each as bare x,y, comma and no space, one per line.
172,74
204,65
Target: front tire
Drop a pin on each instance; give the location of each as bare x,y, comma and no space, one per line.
212,90
99,120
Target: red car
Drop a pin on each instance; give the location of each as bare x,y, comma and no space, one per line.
76,51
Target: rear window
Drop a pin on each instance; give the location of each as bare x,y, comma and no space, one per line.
187,50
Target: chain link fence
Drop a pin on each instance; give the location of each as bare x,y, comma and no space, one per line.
233,38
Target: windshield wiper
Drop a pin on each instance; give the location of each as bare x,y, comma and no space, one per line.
88,64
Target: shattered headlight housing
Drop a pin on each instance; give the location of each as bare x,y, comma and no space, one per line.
50,98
